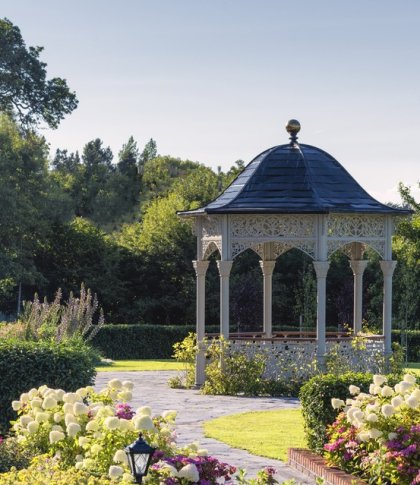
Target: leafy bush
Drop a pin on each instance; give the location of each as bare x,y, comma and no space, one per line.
412,343
140,341
13,455
24,365
378,434
185,352
316,397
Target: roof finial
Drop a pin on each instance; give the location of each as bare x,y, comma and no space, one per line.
293,127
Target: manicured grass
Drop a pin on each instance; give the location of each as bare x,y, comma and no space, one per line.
264,433
414,367
138,365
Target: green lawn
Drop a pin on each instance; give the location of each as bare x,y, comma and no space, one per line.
265,433
414,367
137,365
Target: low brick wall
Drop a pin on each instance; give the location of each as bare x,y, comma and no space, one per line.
314,466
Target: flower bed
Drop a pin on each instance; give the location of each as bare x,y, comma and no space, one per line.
377,436
79,437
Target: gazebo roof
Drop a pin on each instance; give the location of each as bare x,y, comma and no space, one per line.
295,179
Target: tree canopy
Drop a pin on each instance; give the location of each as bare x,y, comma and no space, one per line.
25,90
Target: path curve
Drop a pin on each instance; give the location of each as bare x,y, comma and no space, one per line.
151,389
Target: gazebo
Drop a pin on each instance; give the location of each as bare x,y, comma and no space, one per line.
294,196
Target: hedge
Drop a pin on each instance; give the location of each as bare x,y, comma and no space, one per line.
24,365
124,342
316,397
413,343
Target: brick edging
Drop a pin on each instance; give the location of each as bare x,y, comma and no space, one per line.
314,466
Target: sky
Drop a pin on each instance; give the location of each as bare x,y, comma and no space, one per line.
216,81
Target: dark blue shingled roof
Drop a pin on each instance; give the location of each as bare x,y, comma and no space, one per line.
295,179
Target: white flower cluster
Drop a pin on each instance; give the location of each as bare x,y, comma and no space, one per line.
57,420
369,412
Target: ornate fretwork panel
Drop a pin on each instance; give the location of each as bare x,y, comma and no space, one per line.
239,247
209,246
368,230
211,227
272,226
307,246
356,226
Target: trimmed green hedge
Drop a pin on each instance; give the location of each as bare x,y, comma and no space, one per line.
124,342
316,397
24,365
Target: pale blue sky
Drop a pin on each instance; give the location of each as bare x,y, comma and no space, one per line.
215,81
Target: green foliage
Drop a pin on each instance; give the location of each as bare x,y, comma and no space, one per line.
139,341
316,397
24,364
45,469
24,87
12,454
233,372
185,352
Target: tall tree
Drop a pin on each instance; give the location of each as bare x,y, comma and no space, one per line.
149,152
25,90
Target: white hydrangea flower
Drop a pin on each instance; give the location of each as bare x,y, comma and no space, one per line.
120,457
144,423
82,392
416,393
392,436
68,408
16,405
49,402
79,458
69,418
105,411
190,473
56,427
97,435
388,410
70,397
33,393
173,472
397,401
58,417
372,418
125,396
73,429
404,386
79,465
24,398
25,420
92,425
126,425
32,427
112,422
96,449
374,389
387,391
115,471
80,409
354,390
202,452
60,394
56,436
144,410
115,384
409,378
379,379
412,402
337,403
129,385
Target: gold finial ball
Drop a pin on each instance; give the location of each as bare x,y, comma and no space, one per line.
293,127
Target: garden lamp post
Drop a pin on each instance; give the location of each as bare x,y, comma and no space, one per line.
139,455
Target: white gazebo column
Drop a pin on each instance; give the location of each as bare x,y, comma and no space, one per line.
387,268
267,269
224,272
358,267
321,270
200,362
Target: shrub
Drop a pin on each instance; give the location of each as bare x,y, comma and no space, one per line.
23,365
13,455
185,352
378,434
316,397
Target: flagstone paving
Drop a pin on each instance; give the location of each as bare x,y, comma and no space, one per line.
151,389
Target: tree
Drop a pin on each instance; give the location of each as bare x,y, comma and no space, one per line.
25,90
149,152
30,204
128,158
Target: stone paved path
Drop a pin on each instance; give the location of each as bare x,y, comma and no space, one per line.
151,389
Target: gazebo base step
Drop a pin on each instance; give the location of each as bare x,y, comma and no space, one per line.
314,466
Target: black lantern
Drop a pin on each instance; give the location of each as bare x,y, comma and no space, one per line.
139,456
